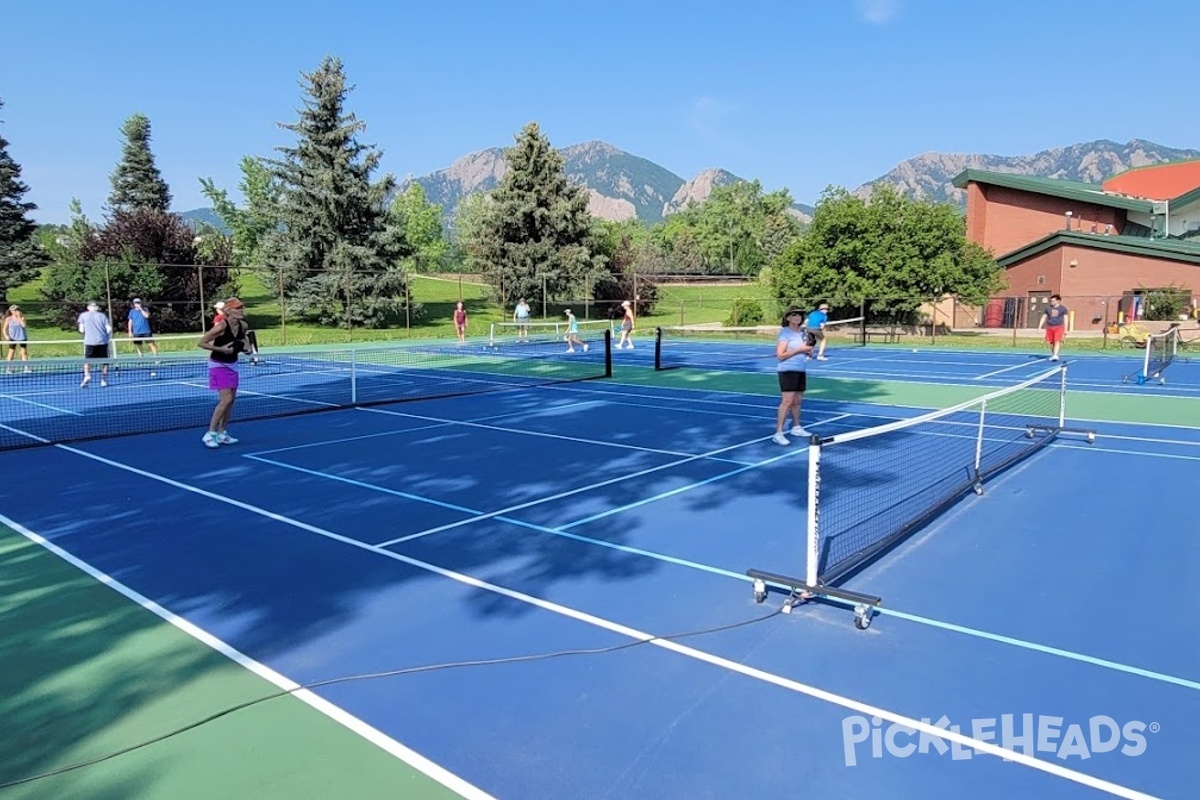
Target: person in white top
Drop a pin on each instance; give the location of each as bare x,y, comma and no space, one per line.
521,317
97,333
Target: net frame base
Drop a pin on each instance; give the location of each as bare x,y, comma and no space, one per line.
816,586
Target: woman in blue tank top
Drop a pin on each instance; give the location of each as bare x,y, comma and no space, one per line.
16,334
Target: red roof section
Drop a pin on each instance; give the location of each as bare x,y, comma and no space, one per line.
1158,182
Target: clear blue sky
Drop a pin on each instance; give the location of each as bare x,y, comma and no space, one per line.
798,95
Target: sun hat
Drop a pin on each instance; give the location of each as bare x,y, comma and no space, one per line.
93,306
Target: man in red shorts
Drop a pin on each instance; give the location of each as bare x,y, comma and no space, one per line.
1054,320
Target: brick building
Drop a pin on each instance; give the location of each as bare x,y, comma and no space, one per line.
1112,251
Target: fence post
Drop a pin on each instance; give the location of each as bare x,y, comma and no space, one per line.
200,283
282,309
1107,307
349,317
108,294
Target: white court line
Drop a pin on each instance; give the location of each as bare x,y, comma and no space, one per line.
540,434
941,734
16,399
560,495
402,431
334,712
689,487
1169,456
1009,369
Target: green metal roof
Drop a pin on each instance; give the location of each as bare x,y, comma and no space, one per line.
1055,187
1173,249
1186,197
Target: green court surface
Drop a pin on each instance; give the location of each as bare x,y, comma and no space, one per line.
84,671
1081,405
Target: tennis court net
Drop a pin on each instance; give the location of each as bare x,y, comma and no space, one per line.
47,404
1161,350
870,489
541,329
738,349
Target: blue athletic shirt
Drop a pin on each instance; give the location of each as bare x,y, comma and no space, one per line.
1056,317
795,340
816,319
140,325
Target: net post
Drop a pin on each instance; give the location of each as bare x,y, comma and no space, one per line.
1146,359
1062,398
979,437
812,541
353,377
492,335
658,337
862,322
608,370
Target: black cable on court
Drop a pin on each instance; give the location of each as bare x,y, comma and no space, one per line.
376,675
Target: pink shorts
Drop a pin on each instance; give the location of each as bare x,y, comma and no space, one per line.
222,376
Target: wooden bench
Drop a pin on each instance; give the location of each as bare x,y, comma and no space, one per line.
888,335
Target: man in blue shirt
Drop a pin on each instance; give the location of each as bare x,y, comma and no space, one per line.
97,333
816,328
139,328
1054,320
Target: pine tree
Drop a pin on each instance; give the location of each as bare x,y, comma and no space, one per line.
136,182
336,253
537,231
20,255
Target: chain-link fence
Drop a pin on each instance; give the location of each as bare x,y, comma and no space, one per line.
426,308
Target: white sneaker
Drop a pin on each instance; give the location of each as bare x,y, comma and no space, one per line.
585,347
103,383
799,431
210,440
822,358
779,438
86,381
224,438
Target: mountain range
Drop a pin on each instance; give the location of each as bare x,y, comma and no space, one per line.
623,186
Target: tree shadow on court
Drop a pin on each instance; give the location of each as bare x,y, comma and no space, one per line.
79,672
85,673
275,590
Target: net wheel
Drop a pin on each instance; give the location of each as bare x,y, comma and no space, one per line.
760,591
862,617
978,489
